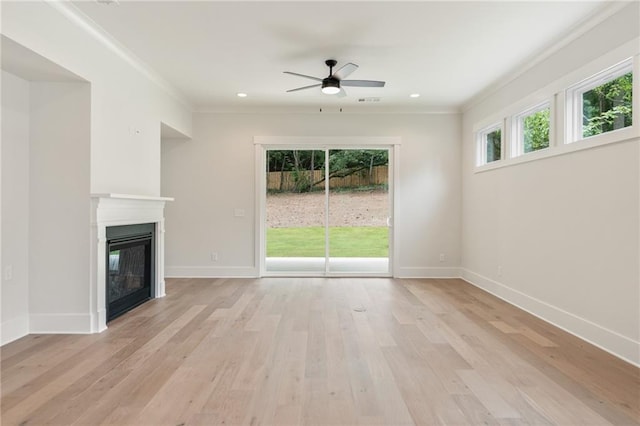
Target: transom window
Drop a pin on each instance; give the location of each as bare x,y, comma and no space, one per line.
532,129
595,111
602,103
490,144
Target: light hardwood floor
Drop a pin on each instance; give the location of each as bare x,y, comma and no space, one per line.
322,351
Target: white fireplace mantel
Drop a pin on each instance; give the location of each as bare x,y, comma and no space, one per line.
116,210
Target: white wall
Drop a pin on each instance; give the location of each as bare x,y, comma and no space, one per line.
214,173
15,207
564,229
126,106
58,206
101,136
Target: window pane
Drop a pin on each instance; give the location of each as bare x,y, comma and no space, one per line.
607,107
493,141
535,130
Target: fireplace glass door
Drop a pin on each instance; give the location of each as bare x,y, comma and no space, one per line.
129,266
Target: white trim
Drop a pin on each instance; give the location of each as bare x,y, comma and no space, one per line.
394,206
325,143
261,203
555,93
296,274
348,109
635,114
616,344
327,180
91,28
116,210
211,272
131,197
617,55
14,328
427,272
564,149
574,98
60,323
517,128
596,18
557,125
481,143
352,142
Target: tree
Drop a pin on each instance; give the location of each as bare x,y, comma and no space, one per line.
607,107
343,163
494,145
303,163
536,130
604,108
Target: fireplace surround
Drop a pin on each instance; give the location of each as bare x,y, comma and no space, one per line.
117,210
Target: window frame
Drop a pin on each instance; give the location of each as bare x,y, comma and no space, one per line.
517,120
557,91
481,143
574,99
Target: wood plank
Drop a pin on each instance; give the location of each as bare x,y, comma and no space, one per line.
318,351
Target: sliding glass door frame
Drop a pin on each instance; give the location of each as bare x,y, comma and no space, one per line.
265,144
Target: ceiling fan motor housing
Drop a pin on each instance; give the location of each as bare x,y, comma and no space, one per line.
330,85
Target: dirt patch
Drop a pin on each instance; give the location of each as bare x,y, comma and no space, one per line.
356,208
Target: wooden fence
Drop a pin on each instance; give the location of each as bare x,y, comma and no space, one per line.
292,181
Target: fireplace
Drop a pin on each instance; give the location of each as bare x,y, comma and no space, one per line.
130,267
114,211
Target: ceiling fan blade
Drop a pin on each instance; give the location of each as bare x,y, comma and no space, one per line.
305,87
341,93
345,71
362,83
302,75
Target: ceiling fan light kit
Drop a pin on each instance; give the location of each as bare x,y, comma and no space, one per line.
332,85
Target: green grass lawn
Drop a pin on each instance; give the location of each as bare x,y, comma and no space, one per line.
371,241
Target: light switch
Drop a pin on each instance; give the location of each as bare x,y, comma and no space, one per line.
8,272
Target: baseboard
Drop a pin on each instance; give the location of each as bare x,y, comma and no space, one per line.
608,340
60,323
211,272
252,272
427,272
14,328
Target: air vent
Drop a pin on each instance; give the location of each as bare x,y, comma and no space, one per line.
368,99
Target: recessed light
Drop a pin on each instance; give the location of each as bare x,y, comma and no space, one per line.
414,95
242,95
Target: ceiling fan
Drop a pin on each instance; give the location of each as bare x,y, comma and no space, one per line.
332,85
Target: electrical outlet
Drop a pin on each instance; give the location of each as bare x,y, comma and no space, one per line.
214,256
442,257
500,270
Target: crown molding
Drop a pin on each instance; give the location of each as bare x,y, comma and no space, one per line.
88,25
581,28
266,109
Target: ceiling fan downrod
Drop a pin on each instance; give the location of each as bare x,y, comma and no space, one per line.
331,63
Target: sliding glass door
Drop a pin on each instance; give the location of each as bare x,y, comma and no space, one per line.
358,211
295,211
327,212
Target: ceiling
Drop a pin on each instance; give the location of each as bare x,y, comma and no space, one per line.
447,51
